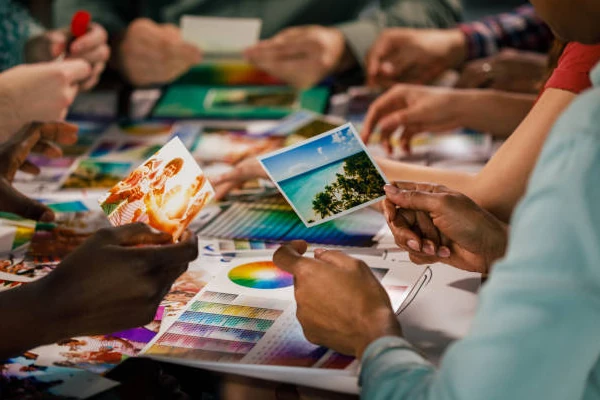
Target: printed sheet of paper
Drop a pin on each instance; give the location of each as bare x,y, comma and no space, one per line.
220,36
246,316
326,177
167,192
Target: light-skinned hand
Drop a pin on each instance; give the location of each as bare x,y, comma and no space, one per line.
417,109
39,92
302,56
152,53
348,312
91,47
243,172
38,137
413,55
436,224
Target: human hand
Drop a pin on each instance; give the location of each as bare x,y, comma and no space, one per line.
302,56
244,171
114,281
350,311
413,55
436,224
510,70
416,108
152,53
13,157
39,92
91,47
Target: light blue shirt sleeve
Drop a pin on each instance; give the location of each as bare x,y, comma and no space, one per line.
536,333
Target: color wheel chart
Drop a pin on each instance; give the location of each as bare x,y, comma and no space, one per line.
276,221
260,275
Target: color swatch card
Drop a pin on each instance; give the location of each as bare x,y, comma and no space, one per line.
326,177
220,37
167,192
246,315
275,221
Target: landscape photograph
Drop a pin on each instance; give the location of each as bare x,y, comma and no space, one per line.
327,176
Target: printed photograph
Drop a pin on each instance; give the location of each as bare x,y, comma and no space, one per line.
231,147
91,174
327,176
167,192
252,98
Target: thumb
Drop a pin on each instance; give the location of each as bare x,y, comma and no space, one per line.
57,42
413,199
288,256
15,202
76,70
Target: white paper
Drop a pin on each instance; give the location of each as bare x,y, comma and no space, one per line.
220,36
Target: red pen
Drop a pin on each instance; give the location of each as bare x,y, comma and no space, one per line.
80,24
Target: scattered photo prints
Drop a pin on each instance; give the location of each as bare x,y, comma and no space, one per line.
327,176
91,174
167,192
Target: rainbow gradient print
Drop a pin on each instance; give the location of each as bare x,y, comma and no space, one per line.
260,275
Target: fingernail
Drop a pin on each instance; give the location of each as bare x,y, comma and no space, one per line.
47,216
444,252
318,252
414,245
391,189
429,248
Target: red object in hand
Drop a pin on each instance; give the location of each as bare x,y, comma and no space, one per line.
80,23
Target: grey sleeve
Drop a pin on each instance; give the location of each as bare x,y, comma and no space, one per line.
113,15
362,33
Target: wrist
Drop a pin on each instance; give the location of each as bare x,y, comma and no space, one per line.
458,47
346,59
378,324
498,245
11,112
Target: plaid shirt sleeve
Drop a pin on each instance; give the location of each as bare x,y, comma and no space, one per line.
521,29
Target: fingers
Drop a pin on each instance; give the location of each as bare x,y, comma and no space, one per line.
95,38
99,54
386,103
93,80
335,257
47,148
75,70
17,203
57,132
401,228
30,168
389,210
137,234
413,199
288,256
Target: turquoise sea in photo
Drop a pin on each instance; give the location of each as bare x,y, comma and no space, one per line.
302,189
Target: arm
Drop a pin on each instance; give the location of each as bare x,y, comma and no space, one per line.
521,29
113,15
495,111
361,34
502,182
545,290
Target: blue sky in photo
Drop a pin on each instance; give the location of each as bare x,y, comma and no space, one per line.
337,145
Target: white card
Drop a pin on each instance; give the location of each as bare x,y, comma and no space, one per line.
228,36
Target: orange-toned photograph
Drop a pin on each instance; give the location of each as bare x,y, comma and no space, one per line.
167,192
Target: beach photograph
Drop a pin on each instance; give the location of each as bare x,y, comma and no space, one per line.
327,176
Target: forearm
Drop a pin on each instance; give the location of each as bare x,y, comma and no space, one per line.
28,321
493,111
400,171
